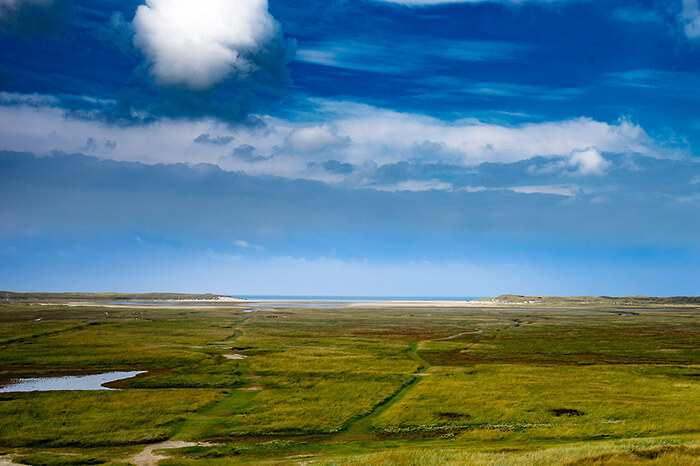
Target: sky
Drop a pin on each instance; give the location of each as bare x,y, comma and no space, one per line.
366,147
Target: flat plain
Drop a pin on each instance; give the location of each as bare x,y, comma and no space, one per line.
601,382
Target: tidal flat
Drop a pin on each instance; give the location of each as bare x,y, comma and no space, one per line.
358,383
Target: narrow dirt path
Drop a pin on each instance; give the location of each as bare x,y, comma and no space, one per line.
149,457
452,337
7,460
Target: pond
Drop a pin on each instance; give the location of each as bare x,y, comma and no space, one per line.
76,382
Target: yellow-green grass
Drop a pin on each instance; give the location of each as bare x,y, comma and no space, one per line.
120,344
298,354
503,386
59,419
213,372
652,451
534,402
310,405
629,453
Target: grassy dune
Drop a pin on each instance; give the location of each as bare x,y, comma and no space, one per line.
356,386
33,297
595,301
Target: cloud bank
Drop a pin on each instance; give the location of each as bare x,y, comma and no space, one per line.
196,45
357,145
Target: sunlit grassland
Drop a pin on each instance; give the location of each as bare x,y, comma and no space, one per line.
301,406
357,385
579,455
104,418
313,383
530,402
83,340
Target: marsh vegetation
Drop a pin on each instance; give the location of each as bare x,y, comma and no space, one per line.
355,385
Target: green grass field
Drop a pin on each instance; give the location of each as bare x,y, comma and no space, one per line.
384,385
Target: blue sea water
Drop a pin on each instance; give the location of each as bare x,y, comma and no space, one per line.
355,298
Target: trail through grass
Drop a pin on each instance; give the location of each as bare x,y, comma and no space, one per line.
363,424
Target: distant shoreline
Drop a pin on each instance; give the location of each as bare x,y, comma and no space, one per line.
355,298
209,299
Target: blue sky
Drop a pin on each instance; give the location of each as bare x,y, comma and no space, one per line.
368,147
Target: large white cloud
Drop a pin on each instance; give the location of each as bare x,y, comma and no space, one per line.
197,44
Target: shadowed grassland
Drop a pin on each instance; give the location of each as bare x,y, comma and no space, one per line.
356,385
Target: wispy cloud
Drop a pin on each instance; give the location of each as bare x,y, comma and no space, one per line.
638,14
638,78
425,3
408,54
557,189
414,186
246,245
507,90
690,19
664,83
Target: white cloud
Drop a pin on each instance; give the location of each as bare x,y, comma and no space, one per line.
386,136
196,45
365,137
402,57
690,18
583,162
246,245
37,100
588,162
415,186
557,189
314,139
566,190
